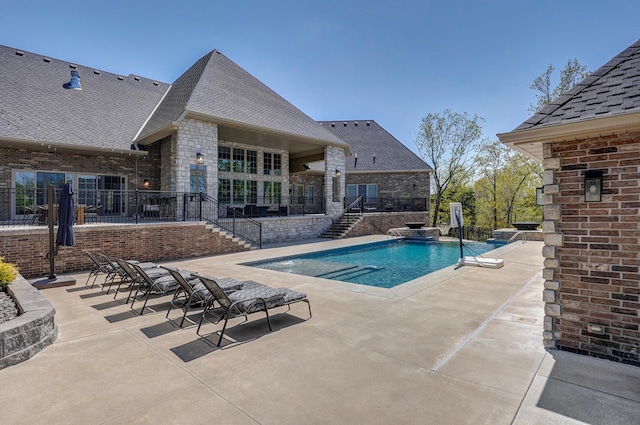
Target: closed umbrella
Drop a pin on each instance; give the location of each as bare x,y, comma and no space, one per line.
66,213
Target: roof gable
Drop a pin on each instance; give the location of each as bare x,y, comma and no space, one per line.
613,89
366,139
105,115
218,89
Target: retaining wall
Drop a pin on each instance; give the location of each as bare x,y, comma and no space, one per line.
32,331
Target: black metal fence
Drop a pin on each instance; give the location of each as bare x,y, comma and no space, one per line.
472,233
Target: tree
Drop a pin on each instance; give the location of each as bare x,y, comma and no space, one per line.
506,185
448,141
572,74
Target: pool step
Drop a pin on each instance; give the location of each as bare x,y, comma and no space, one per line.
350,272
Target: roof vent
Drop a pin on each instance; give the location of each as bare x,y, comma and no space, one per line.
356,123
120,77
155,83
46,59
368,123
333,124
74,84
95,71
72,66
345,124
19,53
136,78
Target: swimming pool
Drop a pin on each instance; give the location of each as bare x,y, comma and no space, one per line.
383,264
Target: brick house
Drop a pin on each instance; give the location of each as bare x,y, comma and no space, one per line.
216,129
588,141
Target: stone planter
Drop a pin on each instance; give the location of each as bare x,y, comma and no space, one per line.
30,332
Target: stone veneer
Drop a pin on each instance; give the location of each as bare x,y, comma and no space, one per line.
592,249
26,335
380,223
334,160
293,228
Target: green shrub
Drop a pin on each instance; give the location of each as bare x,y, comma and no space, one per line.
8,272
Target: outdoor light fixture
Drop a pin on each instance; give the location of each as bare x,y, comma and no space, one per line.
145,183
306,166
539,194
593,186
337,173
199,158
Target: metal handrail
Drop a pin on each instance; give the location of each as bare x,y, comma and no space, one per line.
348,213
230,220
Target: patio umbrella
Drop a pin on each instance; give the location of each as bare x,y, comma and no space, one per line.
65,217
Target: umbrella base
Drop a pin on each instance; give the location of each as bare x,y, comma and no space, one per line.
53,283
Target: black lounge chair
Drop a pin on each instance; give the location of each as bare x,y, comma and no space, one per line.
252,298
160,285
193,292
134,279
100,266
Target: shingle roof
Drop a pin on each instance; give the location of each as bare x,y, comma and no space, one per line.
613,89
105,115
367,138
217,88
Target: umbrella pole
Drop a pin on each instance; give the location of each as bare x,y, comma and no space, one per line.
52,252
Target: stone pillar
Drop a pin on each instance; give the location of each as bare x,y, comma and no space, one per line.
553,239
191,138
334,160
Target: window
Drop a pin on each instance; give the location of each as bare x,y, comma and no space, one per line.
238,160
25,191
238,191
198,178
252,162
369,192
272,164
277,164
87,190
252,192
267,163
224,158
299,195
272,192
309,195
224,191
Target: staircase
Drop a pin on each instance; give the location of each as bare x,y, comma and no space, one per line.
350,217
246,246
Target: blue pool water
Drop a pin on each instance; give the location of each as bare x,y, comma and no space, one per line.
383,264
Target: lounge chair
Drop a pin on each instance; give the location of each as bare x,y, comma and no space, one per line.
100,266
160,285
194,292
252,298
135,279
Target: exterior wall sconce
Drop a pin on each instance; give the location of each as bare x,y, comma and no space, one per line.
593,186
337,173
539,194
199,158
145,183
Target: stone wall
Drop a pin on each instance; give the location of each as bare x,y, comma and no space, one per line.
592,249
293,228
145,242
379,224
30,332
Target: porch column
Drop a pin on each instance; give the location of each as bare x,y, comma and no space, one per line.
334,180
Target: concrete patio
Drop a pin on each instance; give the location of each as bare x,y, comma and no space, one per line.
459,346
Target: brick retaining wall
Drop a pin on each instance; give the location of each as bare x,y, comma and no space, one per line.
145,242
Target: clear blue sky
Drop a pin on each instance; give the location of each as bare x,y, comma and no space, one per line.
390,61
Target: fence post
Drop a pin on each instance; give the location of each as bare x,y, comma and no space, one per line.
137,206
